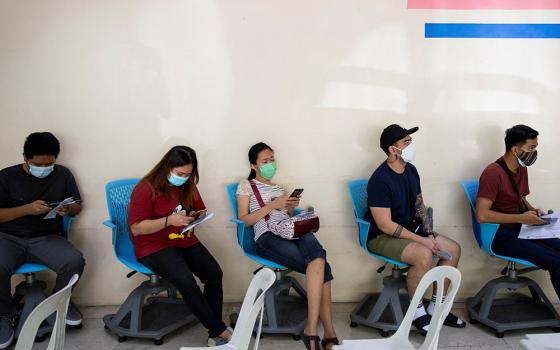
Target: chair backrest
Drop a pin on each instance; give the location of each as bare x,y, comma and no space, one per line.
438,274
118,197
358,196
58,303
245,237
252,306
484,233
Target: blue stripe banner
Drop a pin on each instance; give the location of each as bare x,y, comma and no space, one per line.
484,30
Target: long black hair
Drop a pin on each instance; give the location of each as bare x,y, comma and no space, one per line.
176,157
254,154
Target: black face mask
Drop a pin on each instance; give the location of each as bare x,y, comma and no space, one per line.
527,158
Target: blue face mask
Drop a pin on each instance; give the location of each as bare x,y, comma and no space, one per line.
177,180
41,171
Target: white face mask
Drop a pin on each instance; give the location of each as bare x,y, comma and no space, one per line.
408,153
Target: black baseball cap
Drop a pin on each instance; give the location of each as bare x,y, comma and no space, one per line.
392,134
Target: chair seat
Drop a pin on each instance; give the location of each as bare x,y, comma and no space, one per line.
517,261
133,264
31,268
264,262
388,260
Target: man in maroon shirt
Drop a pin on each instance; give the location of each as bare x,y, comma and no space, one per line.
502,192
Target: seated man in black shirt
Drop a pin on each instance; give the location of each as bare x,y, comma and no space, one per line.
27,192
401,226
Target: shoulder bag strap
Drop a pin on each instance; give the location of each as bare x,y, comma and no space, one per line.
257,194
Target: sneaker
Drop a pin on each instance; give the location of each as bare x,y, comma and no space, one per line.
219,340
6,331
73,317
216,341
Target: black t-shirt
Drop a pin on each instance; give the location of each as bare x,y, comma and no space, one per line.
19,188
388,189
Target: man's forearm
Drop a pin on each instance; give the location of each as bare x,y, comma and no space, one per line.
10,214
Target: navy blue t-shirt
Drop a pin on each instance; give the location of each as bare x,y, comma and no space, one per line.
388,189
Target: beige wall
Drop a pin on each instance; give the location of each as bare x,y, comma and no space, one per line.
119,82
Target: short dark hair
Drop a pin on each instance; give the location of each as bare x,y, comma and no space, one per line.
41,144
518,135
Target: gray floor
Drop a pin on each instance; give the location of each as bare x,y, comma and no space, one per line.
94,336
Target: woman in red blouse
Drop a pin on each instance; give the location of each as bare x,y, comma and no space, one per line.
163,202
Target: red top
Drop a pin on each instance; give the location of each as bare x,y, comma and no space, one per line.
495,185
146,204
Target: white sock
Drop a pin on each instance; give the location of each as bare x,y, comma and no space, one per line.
432,304
420,311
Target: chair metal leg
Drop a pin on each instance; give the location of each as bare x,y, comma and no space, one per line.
145,314
33,292
517,311
384,311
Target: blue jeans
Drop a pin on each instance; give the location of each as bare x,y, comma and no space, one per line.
294,254
545,253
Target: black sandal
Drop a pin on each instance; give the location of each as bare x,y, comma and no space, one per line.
308,339
328,341
451,321
422,322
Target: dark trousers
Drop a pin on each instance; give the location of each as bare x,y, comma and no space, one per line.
179,266
53,251
545,253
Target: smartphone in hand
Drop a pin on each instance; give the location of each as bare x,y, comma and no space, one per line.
297,192
198,214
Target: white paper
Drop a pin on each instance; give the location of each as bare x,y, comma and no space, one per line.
551,230
67,201
198,222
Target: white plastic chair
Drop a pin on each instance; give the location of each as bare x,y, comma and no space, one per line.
58,303
541,341
399,341
252,306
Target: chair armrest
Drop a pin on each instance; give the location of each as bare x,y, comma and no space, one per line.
298,211
240,229
67,221
363,227
113,228
109,224
487,234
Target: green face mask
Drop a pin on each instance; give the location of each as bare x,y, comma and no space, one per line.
268,170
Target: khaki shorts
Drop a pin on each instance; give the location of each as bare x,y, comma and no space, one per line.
388,246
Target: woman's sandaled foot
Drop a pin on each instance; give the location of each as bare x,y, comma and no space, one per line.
311,342
328,343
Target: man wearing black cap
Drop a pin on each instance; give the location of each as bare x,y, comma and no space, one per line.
401,225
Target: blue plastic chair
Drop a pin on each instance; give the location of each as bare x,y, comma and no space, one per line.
485,233
371,311
246,235
358,196
144,314
284,313
32,289
118,197
518,311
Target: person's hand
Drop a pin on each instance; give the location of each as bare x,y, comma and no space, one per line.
530,217
280,202
179,220
201,214
38,207
63,211
292,202
540,212
430,243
